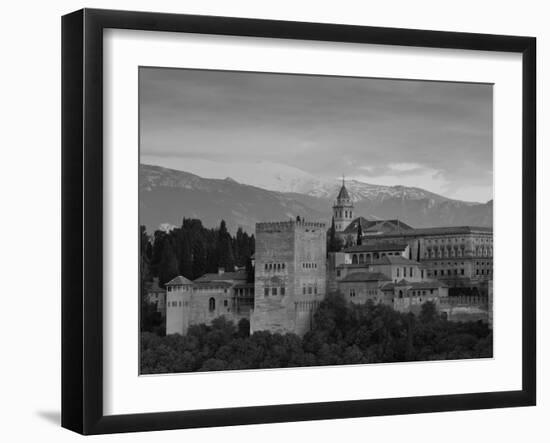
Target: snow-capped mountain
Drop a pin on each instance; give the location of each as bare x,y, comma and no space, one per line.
167,195
360,191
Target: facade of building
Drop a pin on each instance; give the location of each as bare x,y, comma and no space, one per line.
462,256
289,275
394,264
459,256
391,279
211,296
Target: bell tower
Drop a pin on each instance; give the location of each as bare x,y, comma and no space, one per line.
342,210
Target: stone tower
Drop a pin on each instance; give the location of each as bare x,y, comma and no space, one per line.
179,292
342,210
289,275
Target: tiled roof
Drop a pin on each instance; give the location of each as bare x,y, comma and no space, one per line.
179,280
343,194
427,284
446,230
386,260
382,246
226,276
365,276
375,225
216,283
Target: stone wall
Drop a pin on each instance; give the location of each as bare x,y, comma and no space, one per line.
290,275
177,310
194,306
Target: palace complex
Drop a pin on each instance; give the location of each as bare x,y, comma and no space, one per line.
385,261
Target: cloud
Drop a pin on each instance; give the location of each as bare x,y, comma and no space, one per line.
434,135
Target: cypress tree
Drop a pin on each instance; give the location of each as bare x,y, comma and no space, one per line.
168,267
186,256
224,250
359,234
199,259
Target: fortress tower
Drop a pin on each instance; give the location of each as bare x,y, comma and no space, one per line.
342,210
290,282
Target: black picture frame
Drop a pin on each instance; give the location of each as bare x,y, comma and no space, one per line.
82,218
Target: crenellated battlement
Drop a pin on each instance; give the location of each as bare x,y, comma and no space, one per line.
288,225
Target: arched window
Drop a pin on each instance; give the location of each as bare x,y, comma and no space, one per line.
354,259
212,303
361,258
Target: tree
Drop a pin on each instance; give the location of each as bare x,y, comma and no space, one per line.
199,259
158,244
224,249
168,267
334,242
359,233
249,271
428,312
185,254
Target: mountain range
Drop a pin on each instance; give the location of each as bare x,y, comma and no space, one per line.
168,195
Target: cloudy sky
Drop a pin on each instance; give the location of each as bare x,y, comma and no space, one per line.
433,135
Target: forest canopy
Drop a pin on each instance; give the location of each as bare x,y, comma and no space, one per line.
342,333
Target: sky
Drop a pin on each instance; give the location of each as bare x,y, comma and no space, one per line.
432,135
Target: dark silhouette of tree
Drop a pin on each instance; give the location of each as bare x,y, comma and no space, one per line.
185,254
342,333
168,267
199,259
334,243
249,271
359,233
158,244
224,249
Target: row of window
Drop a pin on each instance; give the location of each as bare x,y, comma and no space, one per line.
451,252
418,292
411,272
343,214
178,288
210,289
274,290
483,271
448,264
442,272
444,240
309,289
457,240
274,266
212,304
195,289
483,263
309,265
440,253
352,292
365,258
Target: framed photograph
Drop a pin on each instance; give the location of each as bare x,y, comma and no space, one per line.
268,221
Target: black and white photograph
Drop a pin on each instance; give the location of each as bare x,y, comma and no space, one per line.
305,220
